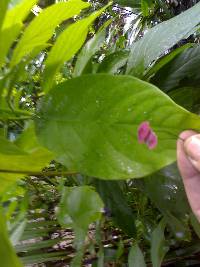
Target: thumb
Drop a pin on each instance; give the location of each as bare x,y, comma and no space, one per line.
192,149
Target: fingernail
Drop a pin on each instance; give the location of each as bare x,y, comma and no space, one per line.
192,147
195,163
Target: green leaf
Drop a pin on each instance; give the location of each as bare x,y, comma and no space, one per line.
161,38
7,253
165,60
42,27
195,224
90,48
79,207
44,257
91,123
165,190
3,9
100,261
116,204
17,233
145,5
183,67
135,257
67,44
12,25
24,157
113,62
187,97
158,248
130,3
37,245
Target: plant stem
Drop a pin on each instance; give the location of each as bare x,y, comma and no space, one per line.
32,173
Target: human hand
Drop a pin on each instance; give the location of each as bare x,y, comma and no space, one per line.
188,159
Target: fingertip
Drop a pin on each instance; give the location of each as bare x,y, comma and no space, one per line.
186,134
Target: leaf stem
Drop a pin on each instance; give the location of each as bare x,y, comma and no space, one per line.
32,173
18,111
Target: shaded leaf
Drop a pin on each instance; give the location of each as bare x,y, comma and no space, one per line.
183,67
135,257
117,206
166,191
165,60
44,257
158,248
113,62
195,224
161,38
90,48
79,207
187,97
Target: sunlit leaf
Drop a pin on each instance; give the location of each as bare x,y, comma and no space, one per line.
67,44
12,25
42,27
16,160
96,132
4,6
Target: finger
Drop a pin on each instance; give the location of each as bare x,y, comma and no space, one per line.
192,149
190,175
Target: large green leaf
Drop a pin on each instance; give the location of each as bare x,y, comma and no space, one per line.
135,257
41,28
91,123
67,44
7,253
12,25
161,38
24,156
183,67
